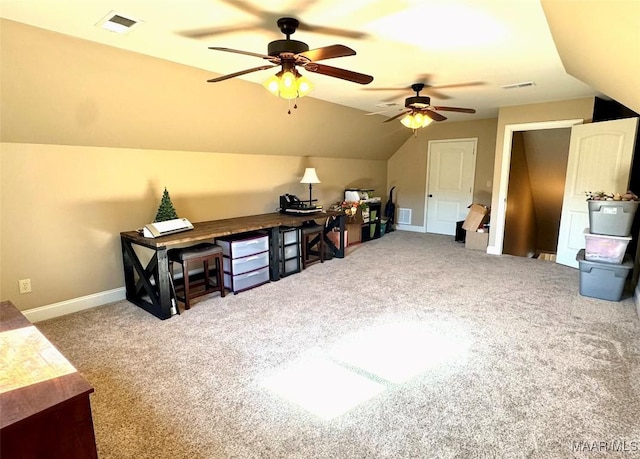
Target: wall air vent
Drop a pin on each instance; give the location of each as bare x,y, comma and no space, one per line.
524,84
118,23
404,216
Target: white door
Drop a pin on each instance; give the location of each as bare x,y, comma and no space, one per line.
450,175
600,157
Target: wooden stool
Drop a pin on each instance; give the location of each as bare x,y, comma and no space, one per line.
311,236
187,257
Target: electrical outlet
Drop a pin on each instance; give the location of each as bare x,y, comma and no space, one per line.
24,285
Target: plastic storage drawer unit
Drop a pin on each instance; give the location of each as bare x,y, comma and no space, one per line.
246,264
246,281
245,260
603,280
243,245
289,250
607,249
613,218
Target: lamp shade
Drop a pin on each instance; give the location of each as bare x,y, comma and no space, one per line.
416,120
310,176
288,84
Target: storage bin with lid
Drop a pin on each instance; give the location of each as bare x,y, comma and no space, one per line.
603,248
603,280
613,218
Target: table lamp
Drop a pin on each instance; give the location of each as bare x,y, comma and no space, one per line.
310,177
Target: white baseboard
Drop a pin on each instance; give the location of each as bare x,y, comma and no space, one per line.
51,311
493,250
636,299
413,228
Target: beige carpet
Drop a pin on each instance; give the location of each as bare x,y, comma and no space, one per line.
411,346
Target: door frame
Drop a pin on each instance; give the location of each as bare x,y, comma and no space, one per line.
428,170
498,215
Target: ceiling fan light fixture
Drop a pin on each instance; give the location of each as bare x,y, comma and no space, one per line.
288,84
304,86
416,121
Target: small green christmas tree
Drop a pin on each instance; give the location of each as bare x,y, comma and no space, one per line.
166,211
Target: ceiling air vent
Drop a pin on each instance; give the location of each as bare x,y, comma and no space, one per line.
524,84
115,22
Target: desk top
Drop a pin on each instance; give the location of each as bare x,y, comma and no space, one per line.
216,228
38,377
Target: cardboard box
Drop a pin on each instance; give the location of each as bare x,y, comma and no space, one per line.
354,230
476,241
334,236
476,217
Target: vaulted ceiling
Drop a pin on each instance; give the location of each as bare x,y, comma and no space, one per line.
466,50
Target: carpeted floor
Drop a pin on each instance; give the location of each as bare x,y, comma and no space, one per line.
411,346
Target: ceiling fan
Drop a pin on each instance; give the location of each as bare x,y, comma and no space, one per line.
419,112
290,54
264,18
432,90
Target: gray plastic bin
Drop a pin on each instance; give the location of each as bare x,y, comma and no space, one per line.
603,280
613,218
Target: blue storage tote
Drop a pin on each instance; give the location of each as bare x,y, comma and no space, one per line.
603,280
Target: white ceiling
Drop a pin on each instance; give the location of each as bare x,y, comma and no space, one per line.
487,42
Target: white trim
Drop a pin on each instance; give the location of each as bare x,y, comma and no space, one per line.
473,174
498,215
413,228
74,305
636,299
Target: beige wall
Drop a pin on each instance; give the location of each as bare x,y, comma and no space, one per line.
535,113
63,207
59,90
407,168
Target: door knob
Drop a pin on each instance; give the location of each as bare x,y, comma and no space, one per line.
430,195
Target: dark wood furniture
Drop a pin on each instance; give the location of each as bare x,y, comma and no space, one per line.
205,255
312,236
45,411
371,228
148,286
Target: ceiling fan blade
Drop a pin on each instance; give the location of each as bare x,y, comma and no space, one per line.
397,116
427,89
384,111
335,72
331,31
433,115
328,52
238,51
242,72
433,90
211,31
455,109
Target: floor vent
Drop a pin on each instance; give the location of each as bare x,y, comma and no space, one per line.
404,216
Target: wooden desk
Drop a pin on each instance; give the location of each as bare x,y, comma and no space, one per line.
45,410
148,286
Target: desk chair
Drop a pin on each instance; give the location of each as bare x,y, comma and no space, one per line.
189,257
312,236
